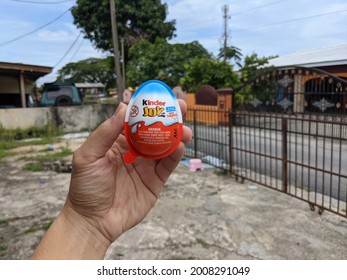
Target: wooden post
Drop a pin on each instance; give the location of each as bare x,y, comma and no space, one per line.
120,85
22,89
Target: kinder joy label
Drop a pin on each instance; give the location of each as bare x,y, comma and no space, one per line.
153,122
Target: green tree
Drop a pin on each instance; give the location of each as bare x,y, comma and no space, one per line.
231,53
92,70
254,66
136,20
251,72
161,60
208,70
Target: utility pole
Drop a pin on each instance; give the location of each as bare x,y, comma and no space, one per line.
226,17
123,60
120,84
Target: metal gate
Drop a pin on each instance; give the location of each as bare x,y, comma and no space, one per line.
289,133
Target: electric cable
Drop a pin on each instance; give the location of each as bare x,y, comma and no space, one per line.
289,20
33,31
66,53
40,2
77,50
258,7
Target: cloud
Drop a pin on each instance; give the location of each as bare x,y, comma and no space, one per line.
62,35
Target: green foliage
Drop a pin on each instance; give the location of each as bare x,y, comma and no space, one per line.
161,60
254,66
49,156
91,70
208,70
252,70
3,247
34,167
136,20
11,138
3,222
44,226
34,132
231,53
202,242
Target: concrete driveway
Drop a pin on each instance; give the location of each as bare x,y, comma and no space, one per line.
199,215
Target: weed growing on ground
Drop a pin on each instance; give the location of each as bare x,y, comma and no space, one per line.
202,243
3,247
44,226
37,163
221,172
31,229
10,139
50,156
34,167
3,223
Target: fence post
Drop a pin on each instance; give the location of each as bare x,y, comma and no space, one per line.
230,143
195,135
285,154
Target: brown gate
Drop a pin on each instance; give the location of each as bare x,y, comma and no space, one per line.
287,130
289,133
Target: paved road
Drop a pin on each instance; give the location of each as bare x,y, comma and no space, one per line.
313,163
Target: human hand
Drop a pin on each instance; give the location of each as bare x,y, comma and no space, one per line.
107,196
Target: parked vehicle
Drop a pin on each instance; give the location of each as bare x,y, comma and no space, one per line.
54,94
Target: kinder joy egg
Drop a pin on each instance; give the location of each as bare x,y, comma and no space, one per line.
153,122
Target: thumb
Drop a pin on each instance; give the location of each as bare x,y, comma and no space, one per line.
101,140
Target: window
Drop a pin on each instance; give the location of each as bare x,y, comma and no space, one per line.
53,93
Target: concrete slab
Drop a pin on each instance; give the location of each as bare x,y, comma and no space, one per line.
199,215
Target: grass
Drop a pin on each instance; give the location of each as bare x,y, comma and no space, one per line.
221,172
34,167
47,225
3,247
3,222
38,161
6,153
202,243
31,230
44,226
12,138
48,156
111,101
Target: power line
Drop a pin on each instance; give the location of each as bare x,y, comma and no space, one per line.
259,7
77,50
40,2
289,20
33,31
66,53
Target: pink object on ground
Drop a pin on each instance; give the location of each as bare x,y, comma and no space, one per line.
195,164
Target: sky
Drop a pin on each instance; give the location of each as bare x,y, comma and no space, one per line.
41,32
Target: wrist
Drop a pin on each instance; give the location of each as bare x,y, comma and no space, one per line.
93,244
71,237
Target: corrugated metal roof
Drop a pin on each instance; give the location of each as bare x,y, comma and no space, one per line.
89,85
327,56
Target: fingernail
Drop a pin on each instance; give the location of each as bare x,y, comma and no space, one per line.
119,108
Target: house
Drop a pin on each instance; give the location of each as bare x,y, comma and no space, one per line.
314,80
17,83
330,59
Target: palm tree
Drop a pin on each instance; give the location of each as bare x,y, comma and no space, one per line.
231,53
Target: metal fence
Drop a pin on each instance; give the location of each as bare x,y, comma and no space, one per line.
301,155
211,141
